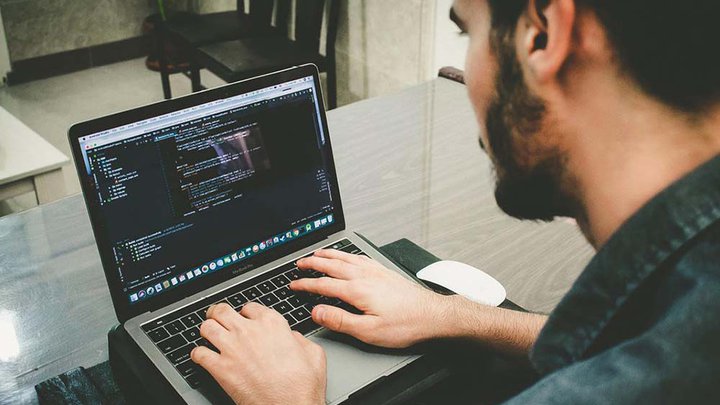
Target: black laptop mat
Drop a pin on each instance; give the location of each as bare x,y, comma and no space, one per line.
447,373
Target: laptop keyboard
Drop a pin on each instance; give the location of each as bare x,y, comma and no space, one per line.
177,333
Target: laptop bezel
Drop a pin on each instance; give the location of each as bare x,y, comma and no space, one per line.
123,308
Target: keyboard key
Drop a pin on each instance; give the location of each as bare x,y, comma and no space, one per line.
191,320
251,293
283,293
186,368
158,334
237,300
282,307
222,301
269,299
280,281
203,313
300,314
295,301
192,334
194,380
306,326
171,343
206,343
293,274
180,354
154,324
266,287
175,327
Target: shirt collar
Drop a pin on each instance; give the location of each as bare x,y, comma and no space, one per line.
636,249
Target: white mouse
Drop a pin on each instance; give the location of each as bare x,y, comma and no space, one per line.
465,280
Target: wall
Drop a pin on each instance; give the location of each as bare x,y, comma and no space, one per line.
449,46
41,27
4,55
382,46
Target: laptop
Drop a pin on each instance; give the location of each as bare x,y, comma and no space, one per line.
212,198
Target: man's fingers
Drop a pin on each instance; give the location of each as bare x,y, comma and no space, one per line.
339,320
205,357
326,286
340,255
335,268
253,310
215,333
225,315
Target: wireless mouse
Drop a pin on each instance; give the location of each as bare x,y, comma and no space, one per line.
465,280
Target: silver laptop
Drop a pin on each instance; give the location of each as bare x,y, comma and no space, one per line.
212,198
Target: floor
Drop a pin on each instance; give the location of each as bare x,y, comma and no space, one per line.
53,105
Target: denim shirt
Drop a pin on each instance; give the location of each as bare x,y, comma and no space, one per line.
642,322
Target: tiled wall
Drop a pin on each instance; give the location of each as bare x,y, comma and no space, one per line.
382,46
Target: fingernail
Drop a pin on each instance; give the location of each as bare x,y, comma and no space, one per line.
319,313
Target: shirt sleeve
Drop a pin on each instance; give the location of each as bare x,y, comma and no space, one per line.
677,361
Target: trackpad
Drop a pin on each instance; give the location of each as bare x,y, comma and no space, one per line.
352,365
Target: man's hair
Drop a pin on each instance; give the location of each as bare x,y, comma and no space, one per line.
670,48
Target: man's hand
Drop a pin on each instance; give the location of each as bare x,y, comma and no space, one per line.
396,312
261,361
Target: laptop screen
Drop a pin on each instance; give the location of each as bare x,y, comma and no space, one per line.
209,188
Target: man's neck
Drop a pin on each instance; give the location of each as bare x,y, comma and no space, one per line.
631,152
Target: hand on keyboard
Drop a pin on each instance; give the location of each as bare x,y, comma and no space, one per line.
395,312
261,360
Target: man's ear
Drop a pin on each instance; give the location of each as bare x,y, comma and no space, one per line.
546,37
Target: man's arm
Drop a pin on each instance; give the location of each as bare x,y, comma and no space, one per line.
397,313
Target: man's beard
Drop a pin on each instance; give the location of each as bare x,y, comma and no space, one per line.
514,118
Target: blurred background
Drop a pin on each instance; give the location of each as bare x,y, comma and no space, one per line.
64,61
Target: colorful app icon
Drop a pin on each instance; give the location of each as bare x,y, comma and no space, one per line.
296,232
181,278
158,287
323,221
282,238
248,251
241,254
197,272
173,281
317,224
288,235
150,290
276,239
190,275
269,242
234,257
133,297
330,218
308,227
213,266
205,269
141,294
262,245
166,284
255,248
227,260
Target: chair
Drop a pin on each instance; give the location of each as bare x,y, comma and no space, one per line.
452,73
246,57
189,31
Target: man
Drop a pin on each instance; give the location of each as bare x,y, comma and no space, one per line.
607,111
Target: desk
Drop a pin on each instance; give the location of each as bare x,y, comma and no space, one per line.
408,166
28,163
